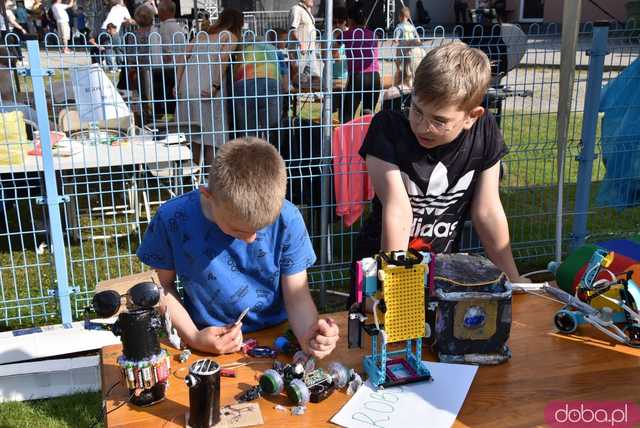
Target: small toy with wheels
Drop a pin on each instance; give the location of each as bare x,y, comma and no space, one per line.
604,297
301,385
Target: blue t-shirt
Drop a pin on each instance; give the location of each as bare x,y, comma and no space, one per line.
222,275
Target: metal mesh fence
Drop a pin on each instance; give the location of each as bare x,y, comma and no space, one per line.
136,117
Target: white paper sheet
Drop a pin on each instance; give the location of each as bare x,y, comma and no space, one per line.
436,403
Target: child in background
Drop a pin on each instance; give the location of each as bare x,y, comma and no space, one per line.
405,29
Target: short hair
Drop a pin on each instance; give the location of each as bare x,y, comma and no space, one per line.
453,73
248,177
144,15
168,7
111,26
406,12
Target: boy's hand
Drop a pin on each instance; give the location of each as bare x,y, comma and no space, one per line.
219,340
322,337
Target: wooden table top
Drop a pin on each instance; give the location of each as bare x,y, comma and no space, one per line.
545,366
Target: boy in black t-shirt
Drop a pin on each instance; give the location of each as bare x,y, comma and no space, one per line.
442,164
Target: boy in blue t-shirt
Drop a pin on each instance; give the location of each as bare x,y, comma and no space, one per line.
237,244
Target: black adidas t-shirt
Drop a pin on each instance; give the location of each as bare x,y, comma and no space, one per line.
440,182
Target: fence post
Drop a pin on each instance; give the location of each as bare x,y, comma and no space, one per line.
596,54
51,198
570,23
327,130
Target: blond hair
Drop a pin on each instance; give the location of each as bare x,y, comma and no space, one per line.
405,12
249,179
453,73
408,60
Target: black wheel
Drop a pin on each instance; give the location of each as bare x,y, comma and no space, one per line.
633,333
565,321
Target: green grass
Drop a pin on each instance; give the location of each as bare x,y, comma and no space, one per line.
78,410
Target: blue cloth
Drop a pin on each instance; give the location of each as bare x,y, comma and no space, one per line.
620,140
221,275
257,107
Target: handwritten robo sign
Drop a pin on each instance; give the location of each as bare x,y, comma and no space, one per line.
435,403
97,99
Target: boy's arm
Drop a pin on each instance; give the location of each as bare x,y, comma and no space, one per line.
318,337
490,221
396,207
218,340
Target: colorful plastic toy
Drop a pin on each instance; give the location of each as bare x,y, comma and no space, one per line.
396,283
606,299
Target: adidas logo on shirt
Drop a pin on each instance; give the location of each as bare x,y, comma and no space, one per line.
437,200
438,197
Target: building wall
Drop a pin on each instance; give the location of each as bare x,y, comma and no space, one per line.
553,10
441,11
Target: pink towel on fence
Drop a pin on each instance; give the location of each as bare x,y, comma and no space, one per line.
352,183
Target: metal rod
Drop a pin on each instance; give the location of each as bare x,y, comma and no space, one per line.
327,130
589,124
570,25
52,198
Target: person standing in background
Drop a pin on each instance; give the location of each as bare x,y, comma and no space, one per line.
405,29
22,16
460,8
170,54
202,81
118,15
303,26
11,25
61,17
364,83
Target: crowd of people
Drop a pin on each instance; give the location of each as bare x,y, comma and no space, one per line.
228,84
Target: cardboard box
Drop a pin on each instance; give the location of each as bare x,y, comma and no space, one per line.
124,283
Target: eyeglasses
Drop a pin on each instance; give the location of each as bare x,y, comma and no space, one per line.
144,295
437,126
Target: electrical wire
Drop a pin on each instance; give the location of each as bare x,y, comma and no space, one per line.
544,296
472,284
536,272
239,364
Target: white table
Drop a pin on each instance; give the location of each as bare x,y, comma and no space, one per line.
129,158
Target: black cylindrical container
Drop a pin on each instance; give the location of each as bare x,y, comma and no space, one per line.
204,393
138,331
